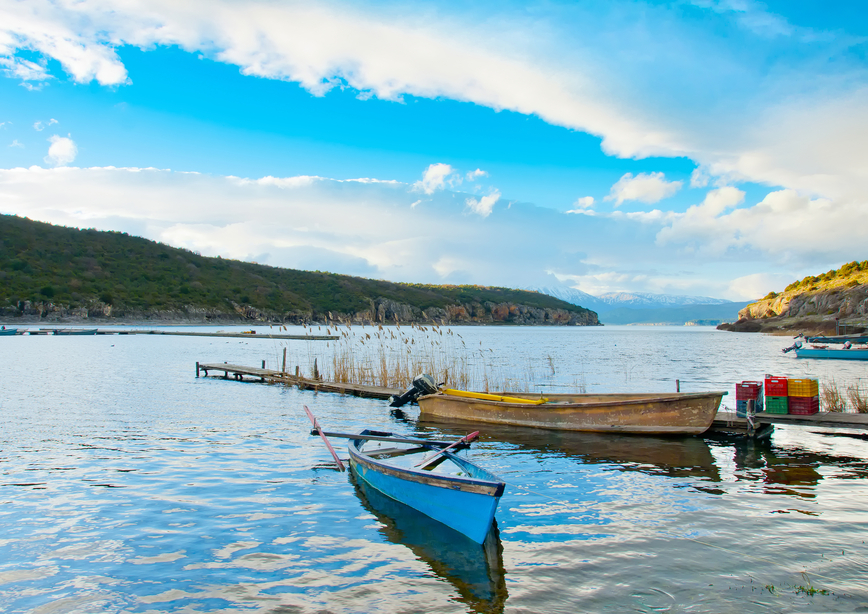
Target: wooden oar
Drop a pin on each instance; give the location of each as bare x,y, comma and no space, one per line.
421,442
325,439
464,440
484,396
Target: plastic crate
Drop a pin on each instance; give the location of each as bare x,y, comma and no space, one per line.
776,387
804,406
741,407
777,405
803,388
748,391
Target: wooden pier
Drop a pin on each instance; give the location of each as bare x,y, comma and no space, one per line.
725,423
238,373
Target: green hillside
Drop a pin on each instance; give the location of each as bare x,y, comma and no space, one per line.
45,263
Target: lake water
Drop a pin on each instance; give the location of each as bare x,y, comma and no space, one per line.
129,485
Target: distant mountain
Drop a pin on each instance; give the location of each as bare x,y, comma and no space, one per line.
648,308
646,300
703,315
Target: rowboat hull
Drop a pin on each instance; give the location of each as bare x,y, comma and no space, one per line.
660,414
835,353
9,331
475,570
465,503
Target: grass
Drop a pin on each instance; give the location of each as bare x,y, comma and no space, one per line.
832,397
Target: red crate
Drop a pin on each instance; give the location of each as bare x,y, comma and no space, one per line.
804,406
776,386
747,391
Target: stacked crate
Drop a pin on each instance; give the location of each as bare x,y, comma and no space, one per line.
777,391
804,396
748,391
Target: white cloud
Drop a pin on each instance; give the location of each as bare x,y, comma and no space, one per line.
645,187
437,177
62,151
757,285
582,204
15,143
477,174
40,126
484,205
19,68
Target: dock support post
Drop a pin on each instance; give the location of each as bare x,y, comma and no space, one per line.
751,425
197,368
677,385
283,368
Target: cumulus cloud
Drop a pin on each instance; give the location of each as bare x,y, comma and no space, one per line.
757,285
483,206
437,177
477,174
62,151
645,187
582,204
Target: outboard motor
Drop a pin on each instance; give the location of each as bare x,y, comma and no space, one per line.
422,384
796,345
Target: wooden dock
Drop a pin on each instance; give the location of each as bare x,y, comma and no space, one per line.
239,372
725,423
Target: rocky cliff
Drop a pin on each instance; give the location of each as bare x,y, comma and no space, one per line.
382,311
813,305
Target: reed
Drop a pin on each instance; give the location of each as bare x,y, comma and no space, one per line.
858,398
831,396
391,357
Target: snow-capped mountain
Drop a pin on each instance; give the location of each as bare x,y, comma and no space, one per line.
634,300
646,300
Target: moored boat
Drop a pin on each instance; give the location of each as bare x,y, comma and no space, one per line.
836,353
75,331
429,478
682,413
8,331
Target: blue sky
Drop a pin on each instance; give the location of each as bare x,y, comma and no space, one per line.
709,147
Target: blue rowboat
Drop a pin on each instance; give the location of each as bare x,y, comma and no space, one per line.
8,331
837,353
429,478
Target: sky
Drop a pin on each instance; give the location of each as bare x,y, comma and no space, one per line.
694,147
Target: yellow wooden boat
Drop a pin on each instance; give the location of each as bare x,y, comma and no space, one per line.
682,413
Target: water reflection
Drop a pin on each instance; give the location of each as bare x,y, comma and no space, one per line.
668,456
476,571
790,470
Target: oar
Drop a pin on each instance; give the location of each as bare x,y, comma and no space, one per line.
464,440
325,439
392,438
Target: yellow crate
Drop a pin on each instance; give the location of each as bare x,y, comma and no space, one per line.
803,387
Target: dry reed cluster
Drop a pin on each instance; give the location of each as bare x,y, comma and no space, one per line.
392,356
835,397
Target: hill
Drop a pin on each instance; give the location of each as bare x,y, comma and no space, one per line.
813,305
64,273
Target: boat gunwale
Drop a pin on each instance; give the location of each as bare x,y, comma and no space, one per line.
492,488
581,405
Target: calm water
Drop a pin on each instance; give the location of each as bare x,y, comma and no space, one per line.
128,485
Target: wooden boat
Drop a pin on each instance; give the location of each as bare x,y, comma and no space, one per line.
429,477
684,413
836,353
75,331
